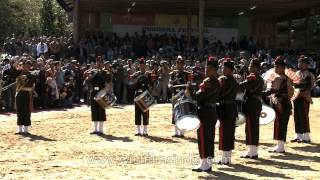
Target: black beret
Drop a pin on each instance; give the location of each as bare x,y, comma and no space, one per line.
213,61
279,62
228,64
142,60
255,62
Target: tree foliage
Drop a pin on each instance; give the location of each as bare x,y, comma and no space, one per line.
25,18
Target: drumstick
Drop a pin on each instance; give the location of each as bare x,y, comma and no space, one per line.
184,85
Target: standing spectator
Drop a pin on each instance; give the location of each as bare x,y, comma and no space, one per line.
42,48
59,75
9,47
164,77
55,48
9,77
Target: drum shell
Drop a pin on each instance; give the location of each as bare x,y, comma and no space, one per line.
105,99
186,109
144,101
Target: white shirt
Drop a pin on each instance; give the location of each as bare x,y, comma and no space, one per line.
42,48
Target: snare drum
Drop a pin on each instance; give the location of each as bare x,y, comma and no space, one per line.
105,99
185,115
144,101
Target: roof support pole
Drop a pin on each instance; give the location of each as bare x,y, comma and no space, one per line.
75,20
189,26
201,23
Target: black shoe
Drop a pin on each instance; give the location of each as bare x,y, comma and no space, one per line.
296,140
176,136
27,134
249,157
201,170
93,132
306,141
18,133
221,163
138,134
100,133
181,136
145,135
274,151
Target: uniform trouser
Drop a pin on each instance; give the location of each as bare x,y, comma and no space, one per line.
97,112
206,133
138,114
281,123
301,116
226,134
253,110
23,99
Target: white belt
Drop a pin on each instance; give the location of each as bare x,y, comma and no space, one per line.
96,88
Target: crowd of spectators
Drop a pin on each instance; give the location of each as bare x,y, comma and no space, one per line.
59,63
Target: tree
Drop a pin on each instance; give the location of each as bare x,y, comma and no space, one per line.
28,18
47,17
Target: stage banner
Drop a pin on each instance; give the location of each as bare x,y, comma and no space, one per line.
212,34
221,22
174,20
133,19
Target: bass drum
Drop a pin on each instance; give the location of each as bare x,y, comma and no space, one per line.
185,115
267,115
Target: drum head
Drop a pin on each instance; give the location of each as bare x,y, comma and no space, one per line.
241,119
267,115
141,96
188,123
111,99
100,94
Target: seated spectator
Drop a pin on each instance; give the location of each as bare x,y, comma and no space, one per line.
52,93
65,96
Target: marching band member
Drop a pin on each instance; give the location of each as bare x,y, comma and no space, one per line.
252,87
281,92
302,103
141,83
178,77
98,79
25,84
227,111
207,97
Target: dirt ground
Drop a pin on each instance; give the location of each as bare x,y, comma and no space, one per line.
61,147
